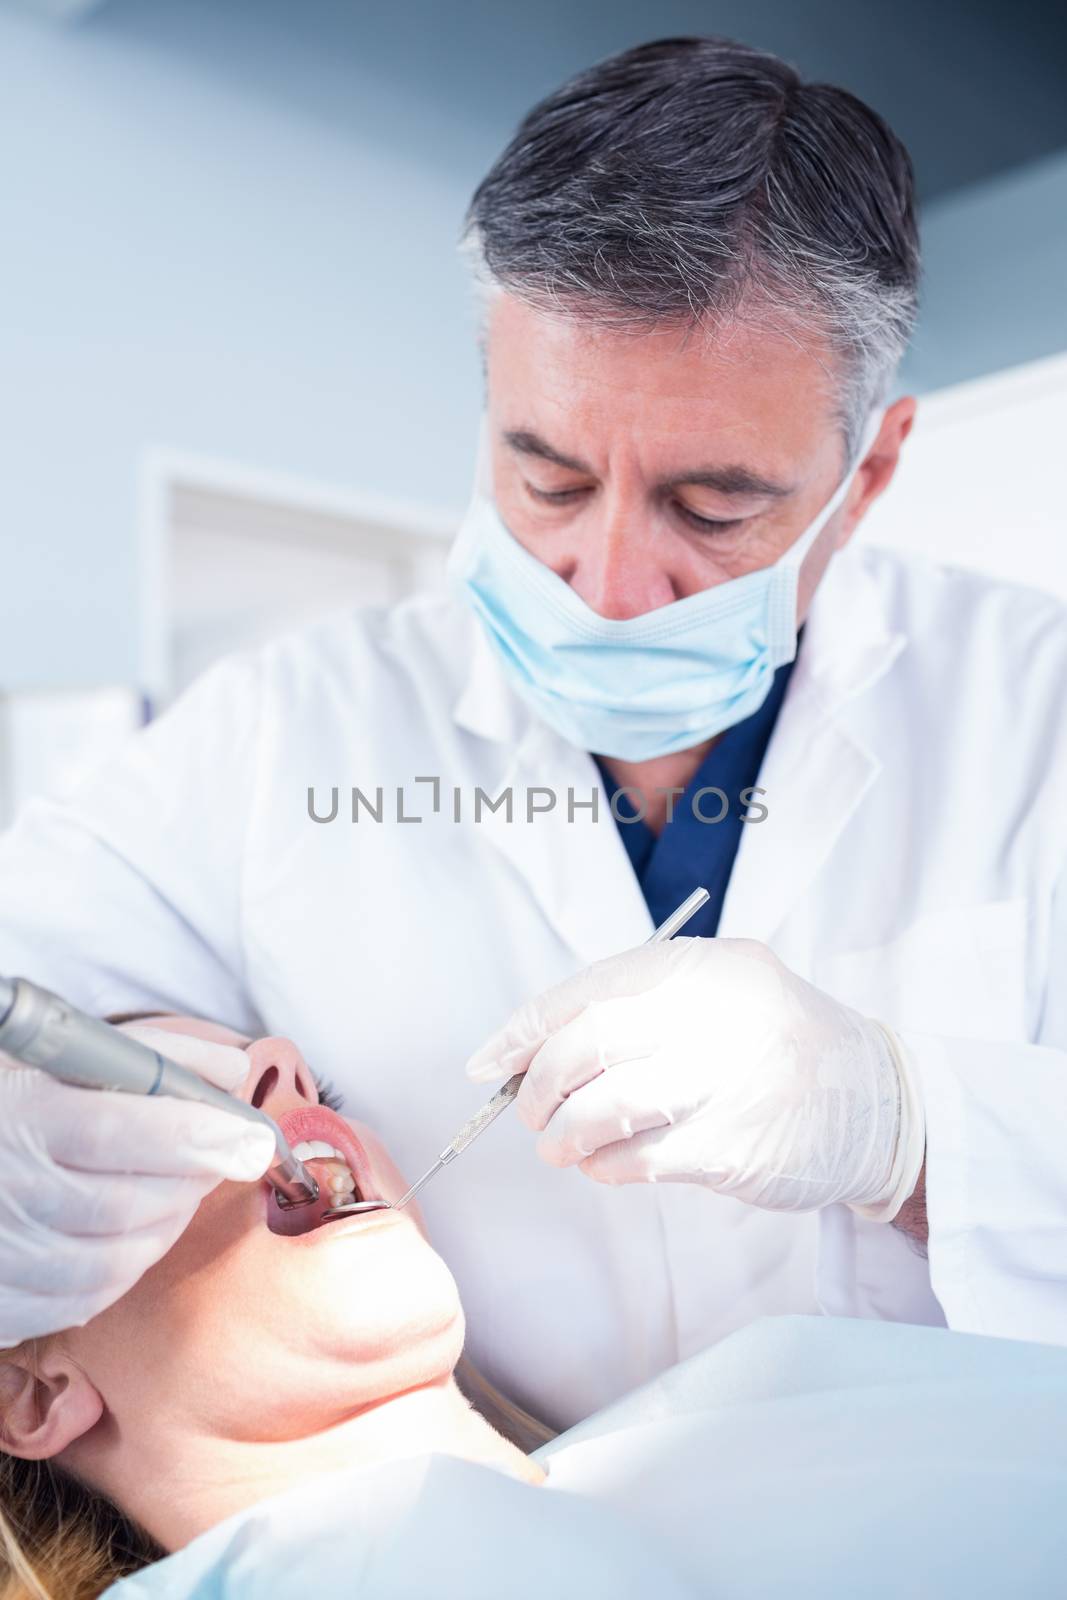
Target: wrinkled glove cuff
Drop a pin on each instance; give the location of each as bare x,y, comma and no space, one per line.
911,1136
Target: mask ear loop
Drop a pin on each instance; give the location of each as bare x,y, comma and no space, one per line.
870,433
465,539
482,485
785,574
797,552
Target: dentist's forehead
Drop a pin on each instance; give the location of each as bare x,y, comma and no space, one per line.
750,390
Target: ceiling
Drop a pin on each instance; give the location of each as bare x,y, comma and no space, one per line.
58,10
975,87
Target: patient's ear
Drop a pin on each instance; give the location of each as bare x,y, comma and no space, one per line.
46,1402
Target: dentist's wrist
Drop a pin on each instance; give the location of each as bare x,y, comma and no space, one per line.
911,1219
909,1157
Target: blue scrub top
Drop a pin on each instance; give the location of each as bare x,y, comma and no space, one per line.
691,851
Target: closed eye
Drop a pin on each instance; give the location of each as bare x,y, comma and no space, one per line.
328,1095
556,497
709,524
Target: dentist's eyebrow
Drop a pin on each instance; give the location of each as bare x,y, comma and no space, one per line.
728,480
531,444
731,480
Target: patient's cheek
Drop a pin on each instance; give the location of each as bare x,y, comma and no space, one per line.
392,1181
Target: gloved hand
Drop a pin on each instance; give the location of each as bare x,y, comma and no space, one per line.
95,1186
707,1061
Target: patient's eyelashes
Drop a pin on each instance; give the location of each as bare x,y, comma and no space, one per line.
328,1095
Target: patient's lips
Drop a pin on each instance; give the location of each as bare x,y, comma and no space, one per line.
335,1158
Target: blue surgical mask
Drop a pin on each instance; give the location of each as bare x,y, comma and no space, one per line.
639,687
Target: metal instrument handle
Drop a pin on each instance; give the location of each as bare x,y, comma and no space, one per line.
42,1030
488,1113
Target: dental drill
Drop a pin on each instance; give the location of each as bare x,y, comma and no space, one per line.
41,1030
504,1096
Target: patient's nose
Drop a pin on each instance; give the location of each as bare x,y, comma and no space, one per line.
279,1078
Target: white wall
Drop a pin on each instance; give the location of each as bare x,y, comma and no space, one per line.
229,230
249,556
995,277
192,262
980,481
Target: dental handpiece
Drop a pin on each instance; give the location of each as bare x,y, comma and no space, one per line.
41,1030
506,1094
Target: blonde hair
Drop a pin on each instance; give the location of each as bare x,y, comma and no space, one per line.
521,1429
61,1541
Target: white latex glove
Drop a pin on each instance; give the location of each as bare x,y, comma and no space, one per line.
96,1186
707,1061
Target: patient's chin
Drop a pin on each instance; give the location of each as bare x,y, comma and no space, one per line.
363,1289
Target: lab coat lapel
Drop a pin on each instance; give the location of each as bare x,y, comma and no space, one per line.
817,771
577,870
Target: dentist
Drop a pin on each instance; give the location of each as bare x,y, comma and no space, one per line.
661,663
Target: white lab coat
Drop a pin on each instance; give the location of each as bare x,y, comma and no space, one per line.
912,864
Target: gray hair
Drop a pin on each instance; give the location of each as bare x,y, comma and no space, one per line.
694,180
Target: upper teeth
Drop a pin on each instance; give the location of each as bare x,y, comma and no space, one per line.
308,1149
336,1180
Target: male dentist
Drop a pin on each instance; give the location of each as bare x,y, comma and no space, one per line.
658,666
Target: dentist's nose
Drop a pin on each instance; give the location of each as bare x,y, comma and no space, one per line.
618,572
278,1078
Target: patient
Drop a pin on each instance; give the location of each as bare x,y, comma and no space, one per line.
254,1359
265,1346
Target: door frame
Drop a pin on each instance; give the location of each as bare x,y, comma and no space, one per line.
166,473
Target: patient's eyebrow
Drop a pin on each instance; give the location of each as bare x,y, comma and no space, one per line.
117,1018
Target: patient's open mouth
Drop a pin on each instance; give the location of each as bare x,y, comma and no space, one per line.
334,1176
336,1160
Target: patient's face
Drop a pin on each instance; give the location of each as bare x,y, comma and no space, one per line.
257,1334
